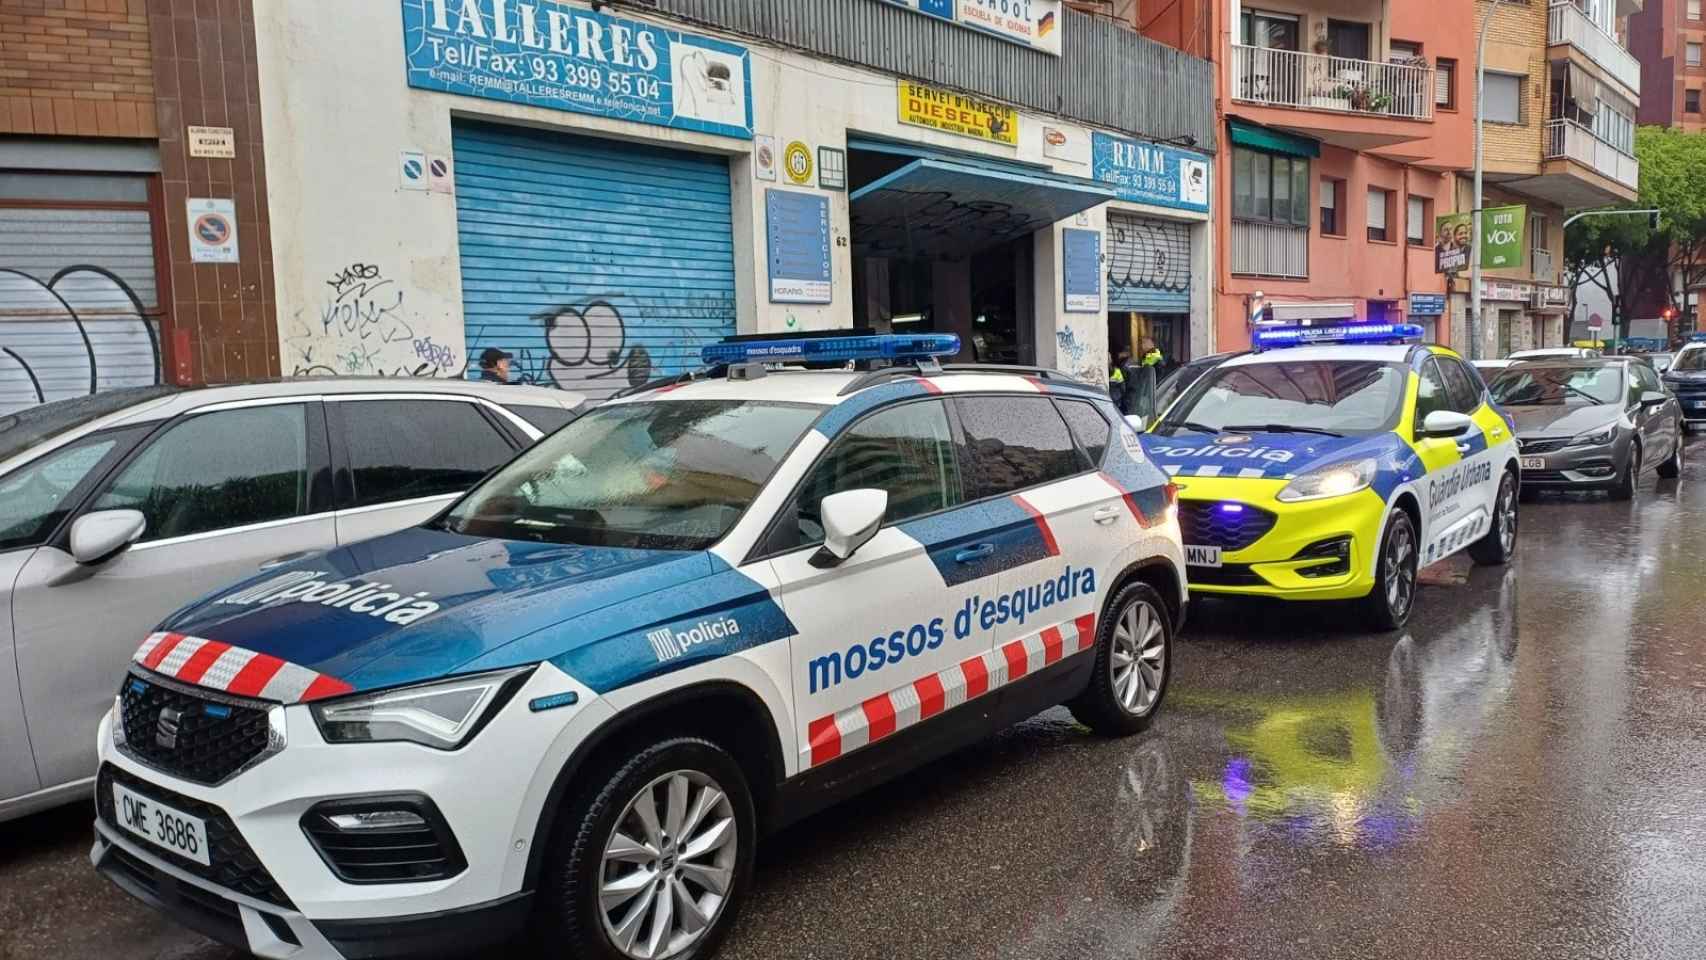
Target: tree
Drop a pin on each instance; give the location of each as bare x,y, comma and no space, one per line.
1610,253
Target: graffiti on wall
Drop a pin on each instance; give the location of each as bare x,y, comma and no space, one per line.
1076,354
1147,255
364,325
78,331
595,346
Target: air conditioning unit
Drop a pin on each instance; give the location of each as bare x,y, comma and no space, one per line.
1537,299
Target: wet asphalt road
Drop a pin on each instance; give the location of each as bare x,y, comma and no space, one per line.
1520,774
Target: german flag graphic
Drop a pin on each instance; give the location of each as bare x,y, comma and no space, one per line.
1045,26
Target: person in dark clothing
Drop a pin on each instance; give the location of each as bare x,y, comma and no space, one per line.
494,365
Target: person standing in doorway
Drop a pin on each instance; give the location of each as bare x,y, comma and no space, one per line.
1116,379
1151,356
494,365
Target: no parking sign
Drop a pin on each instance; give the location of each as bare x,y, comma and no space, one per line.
213,230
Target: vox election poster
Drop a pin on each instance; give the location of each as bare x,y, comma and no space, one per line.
567,58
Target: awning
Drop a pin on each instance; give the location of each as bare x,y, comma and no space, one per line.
1271,141
936,207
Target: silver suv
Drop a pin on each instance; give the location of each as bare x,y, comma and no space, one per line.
118,508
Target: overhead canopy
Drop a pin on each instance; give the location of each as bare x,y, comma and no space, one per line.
937,207
1271,141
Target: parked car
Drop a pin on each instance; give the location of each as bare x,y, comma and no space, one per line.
1660,361
1490,369
1593,424
118,508
1686,377
699,612
1546,353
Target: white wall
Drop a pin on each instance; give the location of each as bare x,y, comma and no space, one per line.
367,274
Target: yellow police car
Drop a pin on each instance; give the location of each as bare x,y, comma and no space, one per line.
1333,462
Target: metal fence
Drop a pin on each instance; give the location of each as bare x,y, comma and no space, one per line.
1107,74
1292,78
1262,249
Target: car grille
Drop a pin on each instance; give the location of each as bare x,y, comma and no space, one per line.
235,866
1544,446
1544,476
1687,388
1203,524
215,738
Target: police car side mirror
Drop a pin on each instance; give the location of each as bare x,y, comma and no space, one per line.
850,519
98,537
1446,423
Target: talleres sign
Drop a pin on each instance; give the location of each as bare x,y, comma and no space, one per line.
568,58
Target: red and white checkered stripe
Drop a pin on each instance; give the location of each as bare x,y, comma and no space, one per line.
234,670
886,713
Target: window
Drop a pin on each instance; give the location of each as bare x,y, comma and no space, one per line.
1332,222
1270,187
1416,221
1504,97
1403,51
1693,54
218,470
401,449
543,419
1352,397
35,498
1348,39
1537,243
1691,101
1088,426
1693,9
1431,391
665,476
1445,83
1273,31
1378,202
1537,385
1463,385
907,451
1016,442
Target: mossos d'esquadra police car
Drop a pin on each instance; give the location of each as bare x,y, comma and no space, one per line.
579,695
1335,461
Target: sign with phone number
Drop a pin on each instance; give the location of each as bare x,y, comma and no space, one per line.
566,58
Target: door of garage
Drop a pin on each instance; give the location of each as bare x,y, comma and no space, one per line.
597,263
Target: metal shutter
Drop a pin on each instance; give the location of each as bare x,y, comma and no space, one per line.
597,263
1149,264
74,283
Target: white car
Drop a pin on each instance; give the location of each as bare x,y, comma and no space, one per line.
118,508
690,616
1554,352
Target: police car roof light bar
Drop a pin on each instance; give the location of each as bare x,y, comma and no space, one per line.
883,346
1291,335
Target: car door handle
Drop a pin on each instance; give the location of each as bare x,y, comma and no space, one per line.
1106,515
971,554
1463,449
280,561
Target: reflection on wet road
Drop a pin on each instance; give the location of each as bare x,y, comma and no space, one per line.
1522,774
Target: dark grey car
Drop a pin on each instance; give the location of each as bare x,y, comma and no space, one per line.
1591,424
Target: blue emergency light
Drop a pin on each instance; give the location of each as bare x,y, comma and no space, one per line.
1291,335
883,346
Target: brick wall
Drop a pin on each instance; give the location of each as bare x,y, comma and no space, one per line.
76,68
1516,42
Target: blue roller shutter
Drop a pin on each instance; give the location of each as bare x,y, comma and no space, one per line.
1149,264
597,263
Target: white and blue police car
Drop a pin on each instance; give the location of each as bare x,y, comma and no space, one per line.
576,698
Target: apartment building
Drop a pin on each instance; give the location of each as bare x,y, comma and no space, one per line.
1668,37
1562,93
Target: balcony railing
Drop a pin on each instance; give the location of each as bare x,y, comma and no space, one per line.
1541,262
1291,78
1269,249
1567,139
1566,23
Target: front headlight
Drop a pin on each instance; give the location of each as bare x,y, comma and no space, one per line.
1598,438
443,715
1336,480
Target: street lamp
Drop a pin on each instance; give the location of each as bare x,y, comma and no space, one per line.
1475,211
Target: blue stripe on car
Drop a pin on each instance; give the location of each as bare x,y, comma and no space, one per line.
999,524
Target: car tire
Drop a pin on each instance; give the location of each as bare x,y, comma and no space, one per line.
1134,650
1624,487
1671,468
1498,545
1387,607
604,839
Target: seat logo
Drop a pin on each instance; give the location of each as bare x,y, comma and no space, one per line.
166,728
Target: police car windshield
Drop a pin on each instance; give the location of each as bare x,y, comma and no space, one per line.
1693,358
1341,396
666,475
1536,385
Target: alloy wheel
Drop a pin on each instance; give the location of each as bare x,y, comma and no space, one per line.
1139,658
1400,570
668,866
1507,515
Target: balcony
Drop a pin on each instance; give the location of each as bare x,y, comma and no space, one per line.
1579,169
1542,267
1261,249
1568,26
1350,103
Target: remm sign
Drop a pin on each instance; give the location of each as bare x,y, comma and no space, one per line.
551,55
1150,173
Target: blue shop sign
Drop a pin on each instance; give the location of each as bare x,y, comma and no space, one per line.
1150,173
1427,304
567,58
